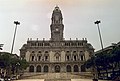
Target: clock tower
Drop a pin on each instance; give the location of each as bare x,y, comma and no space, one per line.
57,26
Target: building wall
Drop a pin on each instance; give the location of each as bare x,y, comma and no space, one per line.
56,54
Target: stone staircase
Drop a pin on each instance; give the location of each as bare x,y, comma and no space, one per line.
33,76
57,76
57,80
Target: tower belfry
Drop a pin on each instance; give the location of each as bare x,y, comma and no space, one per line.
57,26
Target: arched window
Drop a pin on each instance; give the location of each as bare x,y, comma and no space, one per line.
83,68
68,68
76,69
57,57
38,68
45,68
57,68
31,68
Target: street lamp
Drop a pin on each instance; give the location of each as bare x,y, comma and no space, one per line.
98,22
1,45
16,23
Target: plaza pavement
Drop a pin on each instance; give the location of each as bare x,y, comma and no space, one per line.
30,80
43,80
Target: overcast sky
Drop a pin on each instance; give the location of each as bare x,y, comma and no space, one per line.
78,15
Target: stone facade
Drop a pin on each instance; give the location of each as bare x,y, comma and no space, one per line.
56,54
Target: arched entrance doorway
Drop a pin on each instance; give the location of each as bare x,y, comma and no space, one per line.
57,68
68,68
83,68
31,68
76,68
38,68
45,68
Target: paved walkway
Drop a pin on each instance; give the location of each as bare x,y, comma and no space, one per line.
81,79
30,80
86,80
43,80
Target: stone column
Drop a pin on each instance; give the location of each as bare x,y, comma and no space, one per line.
72,69
34,68
42,69
49,68
62,69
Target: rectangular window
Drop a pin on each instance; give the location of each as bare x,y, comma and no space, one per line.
39,58
33,51
39,51
82,58
32,58
75,58
46,58
68,58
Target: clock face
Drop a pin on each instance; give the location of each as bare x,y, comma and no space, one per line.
57,29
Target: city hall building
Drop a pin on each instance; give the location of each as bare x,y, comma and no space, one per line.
57,54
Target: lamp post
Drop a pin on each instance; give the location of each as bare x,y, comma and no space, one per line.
1,45
98,22
16,23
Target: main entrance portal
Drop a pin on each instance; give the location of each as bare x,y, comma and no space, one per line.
57,68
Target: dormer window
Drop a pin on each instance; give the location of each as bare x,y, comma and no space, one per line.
39,52
46,51
33,51
74,51
67,51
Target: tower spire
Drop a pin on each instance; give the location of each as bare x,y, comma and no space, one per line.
57,26
56,5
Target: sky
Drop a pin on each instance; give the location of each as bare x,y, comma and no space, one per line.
78,18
